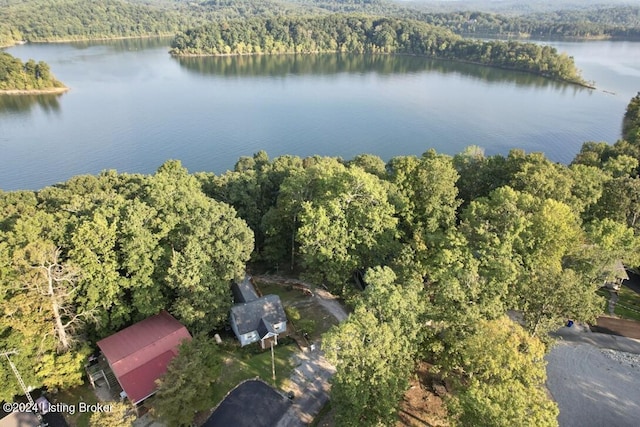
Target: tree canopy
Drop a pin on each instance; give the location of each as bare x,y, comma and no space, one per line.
503,379
29,76
368,34
430,251
85,258
48,20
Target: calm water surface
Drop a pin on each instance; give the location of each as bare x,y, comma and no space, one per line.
131,107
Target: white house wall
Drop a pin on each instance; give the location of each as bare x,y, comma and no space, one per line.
249,337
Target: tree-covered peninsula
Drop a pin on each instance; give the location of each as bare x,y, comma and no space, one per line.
365,34
17,77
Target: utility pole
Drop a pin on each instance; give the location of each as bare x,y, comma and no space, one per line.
17,374
32,404
273,365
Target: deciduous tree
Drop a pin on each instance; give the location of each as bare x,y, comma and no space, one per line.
189,383
119,415
502,379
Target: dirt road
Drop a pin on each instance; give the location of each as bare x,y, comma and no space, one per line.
331,304
324,298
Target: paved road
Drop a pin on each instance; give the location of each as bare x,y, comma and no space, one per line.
331,304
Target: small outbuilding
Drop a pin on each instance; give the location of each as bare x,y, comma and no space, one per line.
140,354
244,291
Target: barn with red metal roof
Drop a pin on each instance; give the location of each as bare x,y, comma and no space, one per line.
140,354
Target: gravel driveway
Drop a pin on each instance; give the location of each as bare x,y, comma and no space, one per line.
310,380
593,382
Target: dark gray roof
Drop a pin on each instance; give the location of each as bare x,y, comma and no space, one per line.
248,316
244,291
265,328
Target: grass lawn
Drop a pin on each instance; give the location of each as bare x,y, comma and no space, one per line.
628,306
311,313
249,362
74,396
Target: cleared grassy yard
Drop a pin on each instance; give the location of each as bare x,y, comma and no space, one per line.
244,363
74,396
314,319
628,305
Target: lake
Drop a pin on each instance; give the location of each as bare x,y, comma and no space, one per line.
132,106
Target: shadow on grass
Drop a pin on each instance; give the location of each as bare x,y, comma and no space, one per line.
250,362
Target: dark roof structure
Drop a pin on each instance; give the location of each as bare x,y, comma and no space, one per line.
140,354
252,403
266,310
244,291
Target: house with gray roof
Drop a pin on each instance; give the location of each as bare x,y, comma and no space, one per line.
256,319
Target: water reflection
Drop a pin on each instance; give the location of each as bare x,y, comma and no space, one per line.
283,65
24,103
124,45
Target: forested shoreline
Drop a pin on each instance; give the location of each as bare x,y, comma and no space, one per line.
610,23
17,78
446,246
50,21
75,20
364,34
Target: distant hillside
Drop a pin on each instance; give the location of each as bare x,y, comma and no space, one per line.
515,6
61,20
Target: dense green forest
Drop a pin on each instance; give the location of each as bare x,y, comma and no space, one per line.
41,20
446,246
46,20
363,34
29,76
631,122
54,20
618,23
